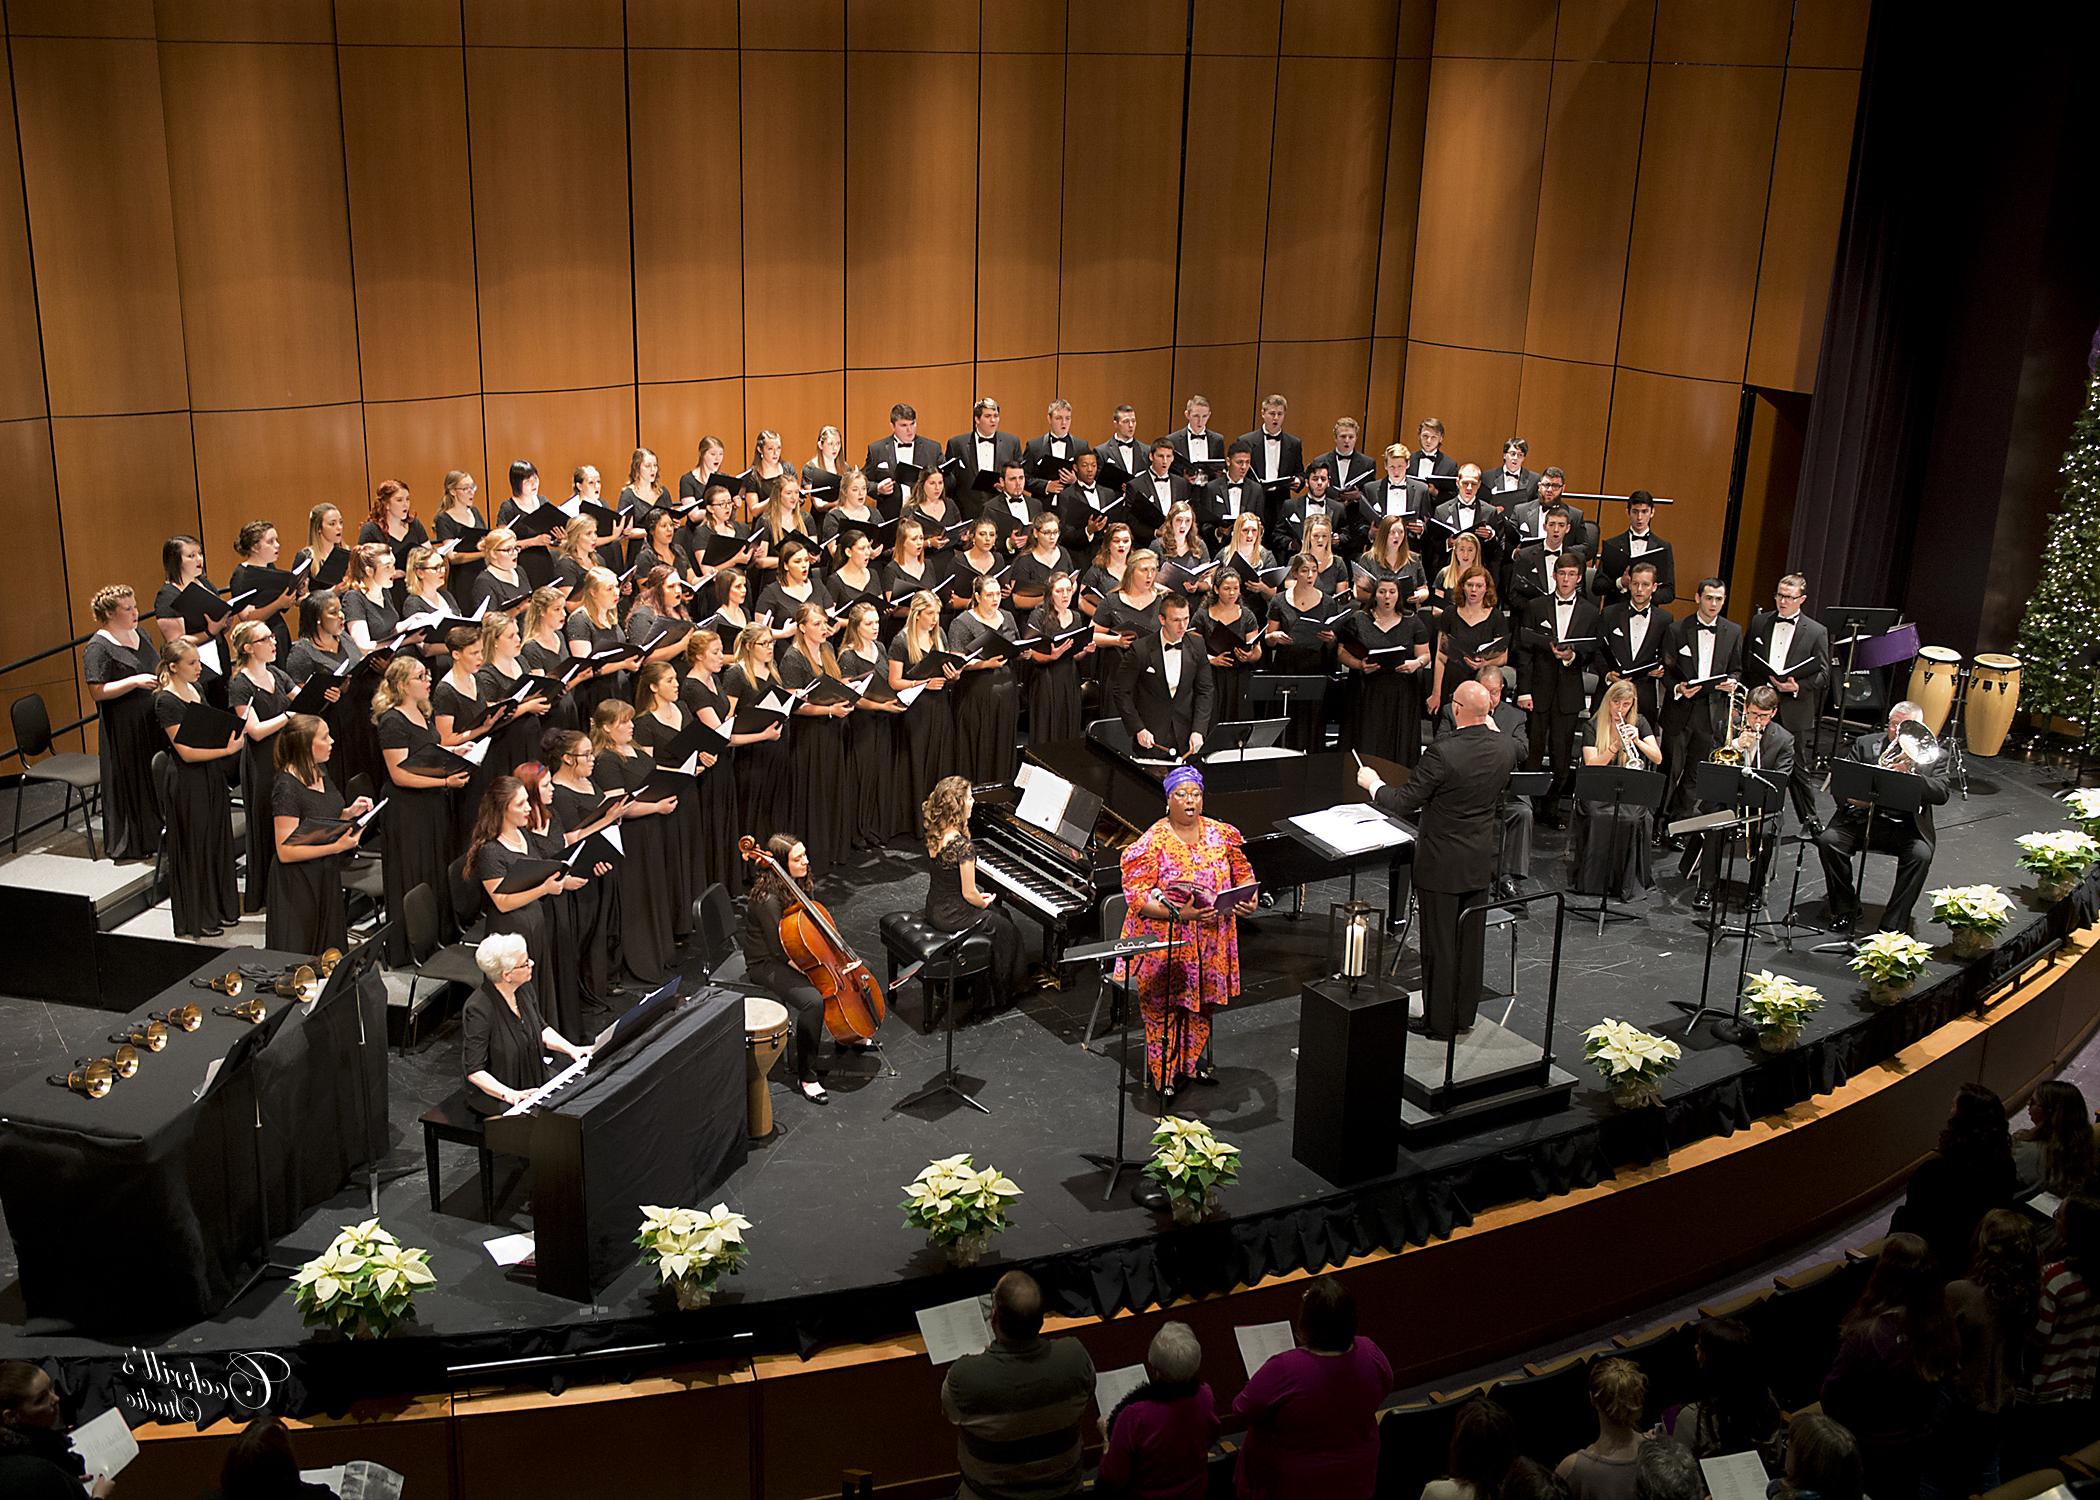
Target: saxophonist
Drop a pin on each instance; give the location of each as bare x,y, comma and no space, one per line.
1910,837
1759,742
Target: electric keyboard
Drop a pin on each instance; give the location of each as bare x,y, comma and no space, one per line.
540,1097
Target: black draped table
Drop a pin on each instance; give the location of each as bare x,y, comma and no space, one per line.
153,1203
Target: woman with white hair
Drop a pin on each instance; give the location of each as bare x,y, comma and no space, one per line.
506,1041
1159,1435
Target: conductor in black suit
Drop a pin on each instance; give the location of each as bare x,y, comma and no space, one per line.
1792,653
903,445
1163,691
1910,837
1453,792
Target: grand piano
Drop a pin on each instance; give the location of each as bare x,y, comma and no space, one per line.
1057,878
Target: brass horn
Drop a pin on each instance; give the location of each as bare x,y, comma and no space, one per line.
1913,748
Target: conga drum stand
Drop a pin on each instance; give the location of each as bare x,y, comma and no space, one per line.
1955,762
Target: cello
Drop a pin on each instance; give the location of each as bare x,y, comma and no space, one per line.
816,948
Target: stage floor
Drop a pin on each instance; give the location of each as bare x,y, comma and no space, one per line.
824,1192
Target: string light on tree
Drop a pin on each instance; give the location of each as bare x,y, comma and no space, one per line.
2062,624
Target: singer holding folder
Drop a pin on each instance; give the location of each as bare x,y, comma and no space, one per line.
1171,877
1791,653
201,891
311,829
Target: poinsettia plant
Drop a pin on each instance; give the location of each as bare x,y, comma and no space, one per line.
364,1284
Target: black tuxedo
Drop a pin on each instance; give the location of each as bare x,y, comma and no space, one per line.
1215,513
1484,511
1000,509
1509,490
1527,521
1442,467
1912,839
1515,861
1616,654
1557,697
963,449
1371,498
1074,508
1147,501
1143,702
1214,445
882,462
1454,793
1775,757
1360,463
1135,460
1290,450
1809,657
1291,522
1039,447
1692,726
1617,556
1531,572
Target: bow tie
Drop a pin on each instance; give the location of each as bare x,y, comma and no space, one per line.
1637,614
1709,629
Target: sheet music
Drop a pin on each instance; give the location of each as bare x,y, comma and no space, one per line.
1044,800
1111,1386
105,1444
1261,1342
360,1479
1352,828
508,1249
956,1328
1735,1476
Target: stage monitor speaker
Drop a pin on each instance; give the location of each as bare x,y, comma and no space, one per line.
1347,1121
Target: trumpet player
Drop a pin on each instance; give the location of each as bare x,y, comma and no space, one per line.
1760,743
1910,837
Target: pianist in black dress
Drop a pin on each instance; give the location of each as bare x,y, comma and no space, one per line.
306,879
504,1040
955,898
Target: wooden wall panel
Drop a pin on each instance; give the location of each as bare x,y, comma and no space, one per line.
1473,391
914,26
1116,28
1324,380
1096,384
411,221
416,442
940,394
1698,222
263,465
1024,389
1346,28
1604,30
1407,130
510,1445
1830,34
1022,28
21,347
1747,33
97,182
1562,410
1222,372
675,417
550,217
125,485
1325,199
1677,438
396,23
566,24
1481,163
794,406
911,283
1388,375
1585,216
1117,277
255,175
688,220
681,23
1225,201
556,430
791,24
1802,216
1244,28
1496,28
244,20
794,280
37,616
1020,210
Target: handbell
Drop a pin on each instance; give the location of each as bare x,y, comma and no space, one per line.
152,1035
250,1010
296,984
92,1080
181,1017
325,964
228,984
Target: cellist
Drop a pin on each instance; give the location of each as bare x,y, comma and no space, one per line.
766,961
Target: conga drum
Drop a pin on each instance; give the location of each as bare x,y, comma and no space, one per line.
765,1038
1932,684
1994,694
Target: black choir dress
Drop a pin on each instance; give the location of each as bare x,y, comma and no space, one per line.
541,923
447,701
535,563
418,836
128,738
589,695
764,769
499,593
248,576
593,913
506,1046
1032,574
1385,712
518,742
357,744
899,582
439,661
1118,614
875,757
552,661
820,814
987,704
776,600
460,580
1610,852
720,864
644,942
1305,656
258,777
1458,640
306,898
411,538
1054,711
1229,703
928,737
686,825
202,894
947,910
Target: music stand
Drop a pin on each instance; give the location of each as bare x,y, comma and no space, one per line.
1112,951
1857,621
1883,790
947,1081
1747,795
1622,787
1229,743
349,970
236,1063
1264,689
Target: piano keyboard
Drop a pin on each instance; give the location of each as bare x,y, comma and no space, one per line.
547,1090
1042,896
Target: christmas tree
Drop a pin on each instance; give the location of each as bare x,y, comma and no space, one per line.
2063,618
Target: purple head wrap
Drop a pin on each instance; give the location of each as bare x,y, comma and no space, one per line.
1180,777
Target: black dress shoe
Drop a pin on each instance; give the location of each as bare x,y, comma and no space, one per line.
1841,925
1505,889
1205,1076
1704,901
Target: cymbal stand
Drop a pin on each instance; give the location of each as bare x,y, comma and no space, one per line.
1955,762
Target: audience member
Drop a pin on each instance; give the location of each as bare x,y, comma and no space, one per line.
1990,1312
2064,1412
1734,1409
1159,1435
260,1466
1893,1351
1528,1479
1312,1412
1017,1406
36,1460
2056,1153
1604,1470
1664,1470
1822,1461
1483,1447
1970,1174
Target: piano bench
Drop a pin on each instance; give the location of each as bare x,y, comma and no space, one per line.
454,1121
908,937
